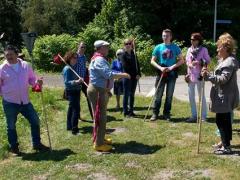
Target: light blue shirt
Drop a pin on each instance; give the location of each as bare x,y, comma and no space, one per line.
166,54
100,73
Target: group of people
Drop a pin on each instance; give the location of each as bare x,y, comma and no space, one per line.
98,79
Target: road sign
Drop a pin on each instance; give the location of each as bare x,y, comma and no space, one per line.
220,21
29,39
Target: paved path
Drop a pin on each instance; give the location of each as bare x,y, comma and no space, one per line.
146,85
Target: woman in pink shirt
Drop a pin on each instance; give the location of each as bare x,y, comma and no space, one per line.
197,57
15,77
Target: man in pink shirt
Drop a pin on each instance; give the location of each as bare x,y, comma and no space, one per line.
15,77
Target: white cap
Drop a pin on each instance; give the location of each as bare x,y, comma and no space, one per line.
119,51
100,43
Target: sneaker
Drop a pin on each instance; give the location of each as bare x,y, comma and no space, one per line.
15,151
103,148
75,131
41,147
191,120
154,117
108,141
132,114
126,114
167,117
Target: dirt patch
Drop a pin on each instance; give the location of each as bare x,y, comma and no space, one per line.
166,174
79,167
41,177
100,176
132,165
189,135
119,130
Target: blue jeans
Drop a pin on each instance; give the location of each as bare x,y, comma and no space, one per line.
11,111
170,85
73,113
191,93
129,88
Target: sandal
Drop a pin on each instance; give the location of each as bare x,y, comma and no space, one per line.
217,145
223,151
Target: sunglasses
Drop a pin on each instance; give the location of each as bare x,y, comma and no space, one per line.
83,47
128,43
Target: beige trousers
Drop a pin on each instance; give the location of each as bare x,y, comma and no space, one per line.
93,92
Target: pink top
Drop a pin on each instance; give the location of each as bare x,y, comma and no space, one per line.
14,84
194,55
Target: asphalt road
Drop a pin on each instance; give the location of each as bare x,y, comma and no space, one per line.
146,85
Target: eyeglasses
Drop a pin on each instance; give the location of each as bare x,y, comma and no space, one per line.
128,44
119,54
83,47
165,35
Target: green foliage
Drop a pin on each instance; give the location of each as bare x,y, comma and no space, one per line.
47,46
58,16
10,22
90,35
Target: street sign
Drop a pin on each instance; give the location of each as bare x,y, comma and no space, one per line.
221,21
29,39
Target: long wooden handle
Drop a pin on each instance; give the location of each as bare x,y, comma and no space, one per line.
72,69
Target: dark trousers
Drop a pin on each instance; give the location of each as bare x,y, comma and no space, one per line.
129,88
223,121
73,113
84,90
169,82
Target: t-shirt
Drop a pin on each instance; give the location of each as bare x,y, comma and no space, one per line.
15,66
166,54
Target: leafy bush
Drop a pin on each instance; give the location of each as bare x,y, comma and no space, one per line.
47,46
90,35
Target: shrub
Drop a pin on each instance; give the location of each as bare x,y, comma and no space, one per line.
48,46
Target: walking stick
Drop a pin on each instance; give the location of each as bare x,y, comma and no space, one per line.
200,119
199,113
72,69
38,88
45,119
159,82
134,51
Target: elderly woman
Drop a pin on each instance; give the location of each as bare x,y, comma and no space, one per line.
101,78
224,92
118,83
197,57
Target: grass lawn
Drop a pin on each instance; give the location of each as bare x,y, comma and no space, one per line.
143,150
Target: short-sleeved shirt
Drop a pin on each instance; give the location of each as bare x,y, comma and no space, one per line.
166,54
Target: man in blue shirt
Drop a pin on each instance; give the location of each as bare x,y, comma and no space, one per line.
82,71
164,59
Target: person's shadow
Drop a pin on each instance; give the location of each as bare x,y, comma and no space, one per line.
54,155
135,148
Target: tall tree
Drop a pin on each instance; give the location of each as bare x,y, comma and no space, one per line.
10,21
58,16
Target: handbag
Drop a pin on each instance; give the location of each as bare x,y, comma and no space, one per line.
187,78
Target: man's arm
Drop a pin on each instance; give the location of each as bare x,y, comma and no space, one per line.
156,65
179,63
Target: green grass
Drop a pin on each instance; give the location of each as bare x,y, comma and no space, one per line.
143,150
